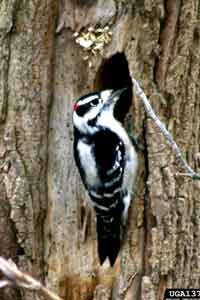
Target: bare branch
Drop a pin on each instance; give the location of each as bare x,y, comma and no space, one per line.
123,293
149,110
14,277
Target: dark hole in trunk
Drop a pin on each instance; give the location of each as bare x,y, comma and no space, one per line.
114,74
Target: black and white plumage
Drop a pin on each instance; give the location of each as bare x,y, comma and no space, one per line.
107,163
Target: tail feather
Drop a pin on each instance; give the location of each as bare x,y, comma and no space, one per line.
109,238
108,248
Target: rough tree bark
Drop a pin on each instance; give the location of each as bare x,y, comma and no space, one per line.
45,225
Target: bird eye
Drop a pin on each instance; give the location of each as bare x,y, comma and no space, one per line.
94,102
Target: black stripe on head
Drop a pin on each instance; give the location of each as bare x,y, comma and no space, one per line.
86,102
83,109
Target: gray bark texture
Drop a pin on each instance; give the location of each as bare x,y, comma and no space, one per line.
46,225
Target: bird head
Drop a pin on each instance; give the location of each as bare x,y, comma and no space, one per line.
88,108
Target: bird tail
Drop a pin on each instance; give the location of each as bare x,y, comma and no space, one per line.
109,232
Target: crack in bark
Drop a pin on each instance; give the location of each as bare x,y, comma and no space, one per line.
146,200
167,37
7,12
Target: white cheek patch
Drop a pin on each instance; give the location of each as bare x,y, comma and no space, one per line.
93,112
81,123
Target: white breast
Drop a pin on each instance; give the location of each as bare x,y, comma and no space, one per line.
88,163
130,169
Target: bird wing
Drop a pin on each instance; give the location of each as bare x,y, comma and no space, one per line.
101,164
109,153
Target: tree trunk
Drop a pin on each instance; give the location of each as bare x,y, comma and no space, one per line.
46,226
26,53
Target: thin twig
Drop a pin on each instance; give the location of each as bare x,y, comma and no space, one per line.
14,277
149,110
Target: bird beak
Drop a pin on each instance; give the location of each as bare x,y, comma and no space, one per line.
114,97
116,94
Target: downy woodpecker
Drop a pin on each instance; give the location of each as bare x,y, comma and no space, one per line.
107,162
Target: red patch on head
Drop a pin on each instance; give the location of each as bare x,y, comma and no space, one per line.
75,106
